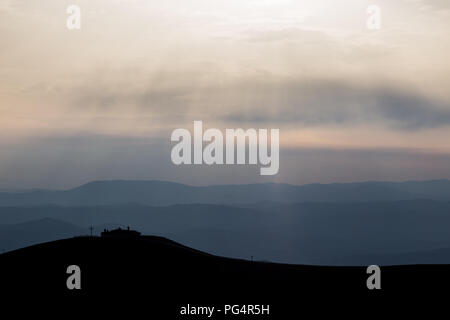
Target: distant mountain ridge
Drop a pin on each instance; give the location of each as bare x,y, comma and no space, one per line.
162,193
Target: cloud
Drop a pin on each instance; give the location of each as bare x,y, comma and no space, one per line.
323,103
440,4
175,98
291,34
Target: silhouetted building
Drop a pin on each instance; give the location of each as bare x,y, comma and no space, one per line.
120,233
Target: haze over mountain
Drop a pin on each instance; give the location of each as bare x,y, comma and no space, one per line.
162,193
14,236
333,232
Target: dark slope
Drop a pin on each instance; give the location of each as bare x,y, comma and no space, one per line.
436,256
158,276
167,193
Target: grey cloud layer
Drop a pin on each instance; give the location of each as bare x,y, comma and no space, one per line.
335,103
294,102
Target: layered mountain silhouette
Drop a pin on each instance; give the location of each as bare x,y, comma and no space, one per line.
306,233
168,193
337,232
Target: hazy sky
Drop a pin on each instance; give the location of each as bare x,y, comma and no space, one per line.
100,103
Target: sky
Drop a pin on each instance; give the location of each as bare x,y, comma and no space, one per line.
351,104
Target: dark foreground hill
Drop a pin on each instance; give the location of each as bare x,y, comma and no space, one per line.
161,276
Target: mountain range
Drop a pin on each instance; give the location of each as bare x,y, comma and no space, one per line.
162,193
390,223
